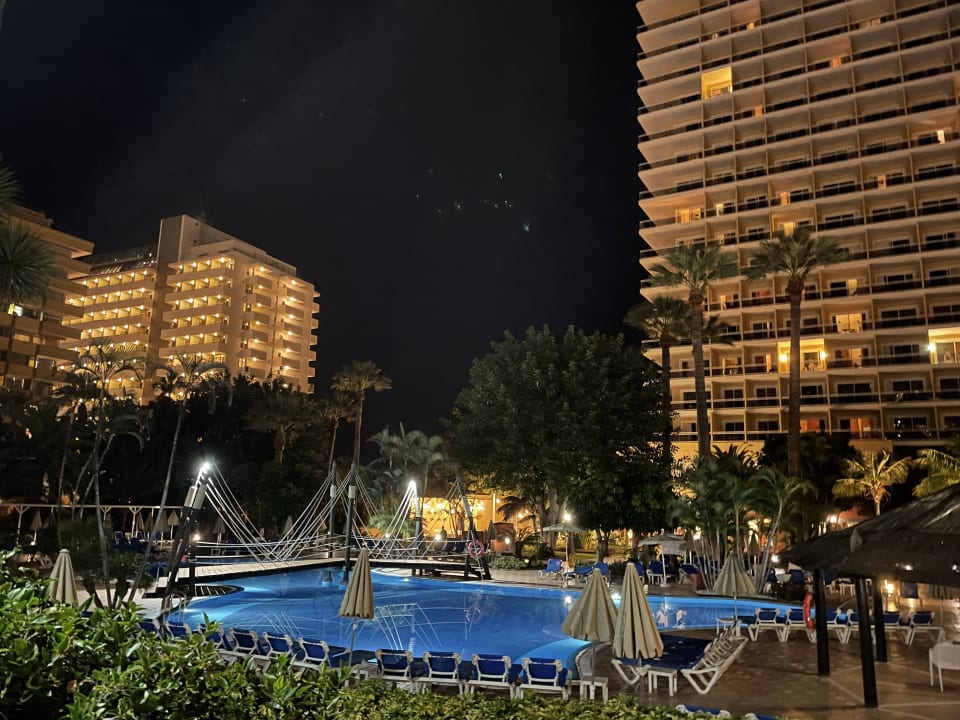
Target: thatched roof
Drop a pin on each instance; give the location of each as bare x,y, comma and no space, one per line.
919,541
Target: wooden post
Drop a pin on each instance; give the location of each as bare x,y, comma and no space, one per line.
823,641
868,671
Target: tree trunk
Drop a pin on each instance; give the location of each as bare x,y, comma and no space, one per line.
696,337
795,290
279,443
356,430
142,565
104,549
333,443
667,403
63,469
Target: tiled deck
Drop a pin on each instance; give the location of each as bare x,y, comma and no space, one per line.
780,679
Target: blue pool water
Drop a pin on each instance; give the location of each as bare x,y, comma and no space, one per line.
420,614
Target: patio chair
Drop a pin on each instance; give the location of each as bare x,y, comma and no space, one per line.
445,668
544,675
397,666
839,622
319,653
251,647
176,630
766,619
494,672
657,575
922,621
944,656
282,644
579,574
794,621
553,569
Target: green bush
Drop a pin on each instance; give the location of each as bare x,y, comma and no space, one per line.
508,562
56,662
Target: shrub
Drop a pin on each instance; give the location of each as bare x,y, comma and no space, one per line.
508,562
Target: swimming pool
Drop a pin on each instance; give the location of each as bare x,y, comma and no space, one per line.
419,614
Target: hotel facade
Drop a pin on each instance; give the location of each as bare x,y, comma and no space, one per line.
762,116
32,332
199,293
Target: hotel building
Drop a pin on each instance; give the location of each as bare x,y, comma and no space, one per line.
762,116
200,292
32,332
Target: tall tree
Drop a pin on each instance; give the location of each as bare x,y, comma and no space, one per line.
335,408
872,477
554,421
285,413
104,364
666,320
796,256
356,378
696,268
26,265
181,378
942,466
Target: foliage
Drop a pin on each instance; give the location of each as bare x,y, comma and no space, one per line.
508,562
796,256
577,420
355,379
872,477
695,268
26,265
942,466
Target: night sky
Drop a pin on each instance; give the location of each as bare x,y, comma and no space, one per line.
441,170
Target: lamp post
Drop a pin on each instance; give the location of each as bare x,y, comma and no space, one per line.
348,528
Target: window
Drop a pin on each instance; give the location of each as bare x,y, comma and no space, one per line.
848,323
766,392
903,386
733,426
768,425
716,82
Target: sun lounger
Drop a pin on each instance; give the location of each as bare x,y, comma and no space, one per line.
282,645
767,619
921,621
630,670
319,653
544,675
251,647
794,621
705,673
149,626
553,569
397,666
494,672
176,630
445,668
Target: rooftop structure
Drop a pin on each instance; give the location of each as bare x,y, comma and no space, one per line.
759,117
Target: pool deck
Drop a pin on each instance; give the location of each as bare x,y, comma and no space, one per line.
780,678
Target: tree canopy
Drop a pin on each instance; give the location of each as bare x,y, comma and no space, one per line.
575,421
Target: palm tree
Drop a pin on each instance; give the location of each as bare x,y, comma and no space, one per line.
795,255
102,364
285,414
871,477
74,394
696,267
26,265
943,469
666,320
336,407
356,378
182,377
9,187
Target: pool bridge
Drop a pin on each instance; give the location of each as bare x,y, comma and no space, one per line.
200,569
